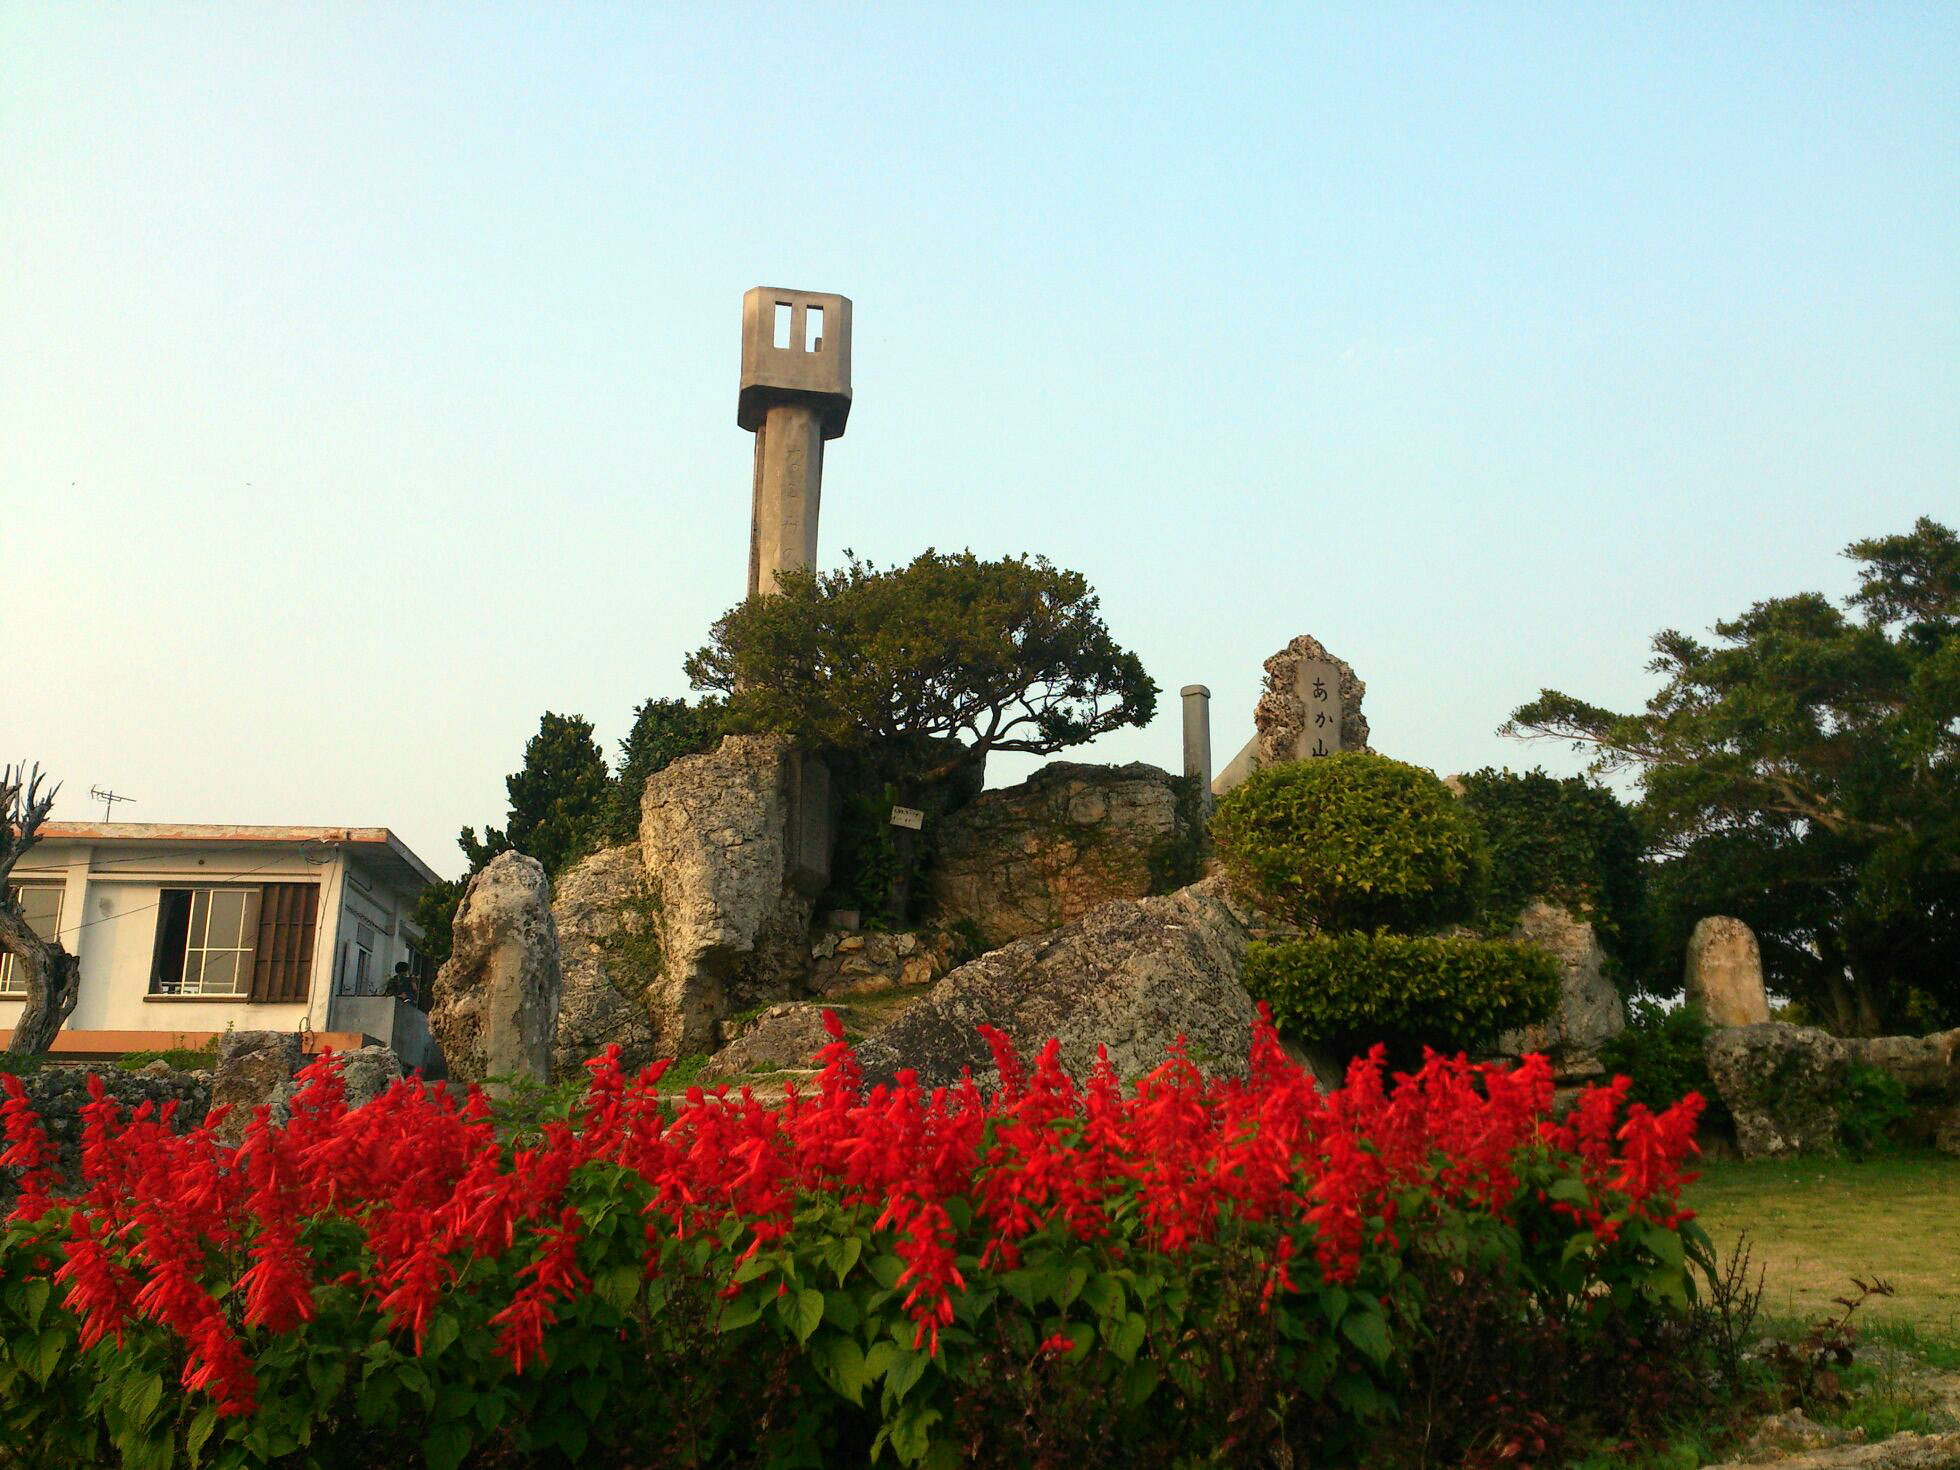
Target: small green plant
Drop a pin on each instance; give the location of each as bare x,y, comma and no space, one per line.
1871,1110
1810,1371
1409,991
1661,1050
1725,1310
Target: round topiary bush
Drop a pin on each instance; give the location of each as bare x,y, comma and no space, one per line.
1350,841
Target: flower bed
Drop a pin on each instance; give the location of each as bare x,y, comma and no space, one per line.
1053,1272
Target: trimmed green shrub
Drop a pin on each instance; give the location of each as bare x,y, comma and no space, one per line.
1566,840
1351,841
1352,990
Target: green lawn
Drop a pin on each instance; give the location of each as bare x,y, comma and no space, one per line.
1816,1223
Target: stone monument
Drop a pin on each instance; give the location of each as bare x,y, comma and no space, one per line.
1724,972
1310,707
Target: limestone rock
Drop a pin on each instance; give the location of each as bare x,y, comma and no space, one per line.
496,997
367,1072
1725,973
1946,1130
1281,715
867,964
1782,1083
254,1067
1905,1451
1133,974
1590,1012
1928,1067
787,1035
607,956
715,847
1026,859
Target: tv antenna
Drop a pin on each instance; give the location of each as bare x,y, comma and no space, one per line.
108,800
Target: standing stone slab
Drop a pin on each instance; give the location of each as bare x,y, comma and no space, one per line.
604,918
253,1068
496,997
1590,1012
1724,976
716,847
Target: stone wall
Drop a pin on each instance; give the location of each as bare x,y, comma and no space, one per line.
1786,1084
1024,860
846,964
58,1093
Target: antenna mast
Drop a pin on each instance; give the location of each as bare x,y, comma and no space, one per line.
108,800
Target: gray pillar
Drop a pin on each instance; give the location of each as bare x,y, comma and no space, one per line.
1197,737
796,393
788,493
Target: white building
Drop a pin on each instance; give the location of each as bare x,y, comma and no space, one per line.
185,932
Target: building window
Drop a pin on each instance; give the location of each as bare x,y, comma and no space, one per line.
40,905
205,940
250,943
364,959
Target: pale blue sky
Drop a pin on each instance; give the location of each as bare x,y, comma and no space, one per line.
367,373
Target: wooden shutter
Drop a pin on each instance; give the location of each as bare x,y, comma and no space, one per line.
282,959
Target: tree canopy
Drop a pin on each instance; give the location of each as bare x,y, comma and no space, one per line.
560,799
1802,772
926,667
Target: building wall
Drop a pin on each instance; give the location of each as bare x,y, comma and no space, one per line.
109,918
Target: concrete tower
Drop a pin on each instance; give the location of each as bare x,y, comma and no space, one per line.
796,393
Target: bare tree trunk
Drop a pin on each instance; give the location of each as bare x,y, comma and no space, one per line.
52,974
53,977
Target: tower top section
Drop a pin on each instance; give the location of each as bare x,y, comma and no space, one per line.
796,348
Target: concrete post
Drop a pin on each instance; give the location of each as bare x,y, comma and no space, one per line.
796,393
788,494
1197,737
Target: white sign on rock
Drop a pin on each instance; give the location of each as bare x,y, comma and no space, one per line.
908,816
1320,694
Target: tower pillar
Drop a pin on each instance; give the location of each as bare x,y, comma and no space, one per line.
1197,738
796,393
788,493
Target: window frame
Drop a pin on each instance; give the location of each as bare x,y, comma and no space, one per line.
275,942
197,937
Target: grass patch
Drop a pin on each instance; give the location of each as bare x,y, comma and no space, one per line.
178,1059
1816,1223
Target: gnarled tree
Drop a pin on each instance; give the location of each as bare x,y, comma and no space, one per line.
52,975
928,667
